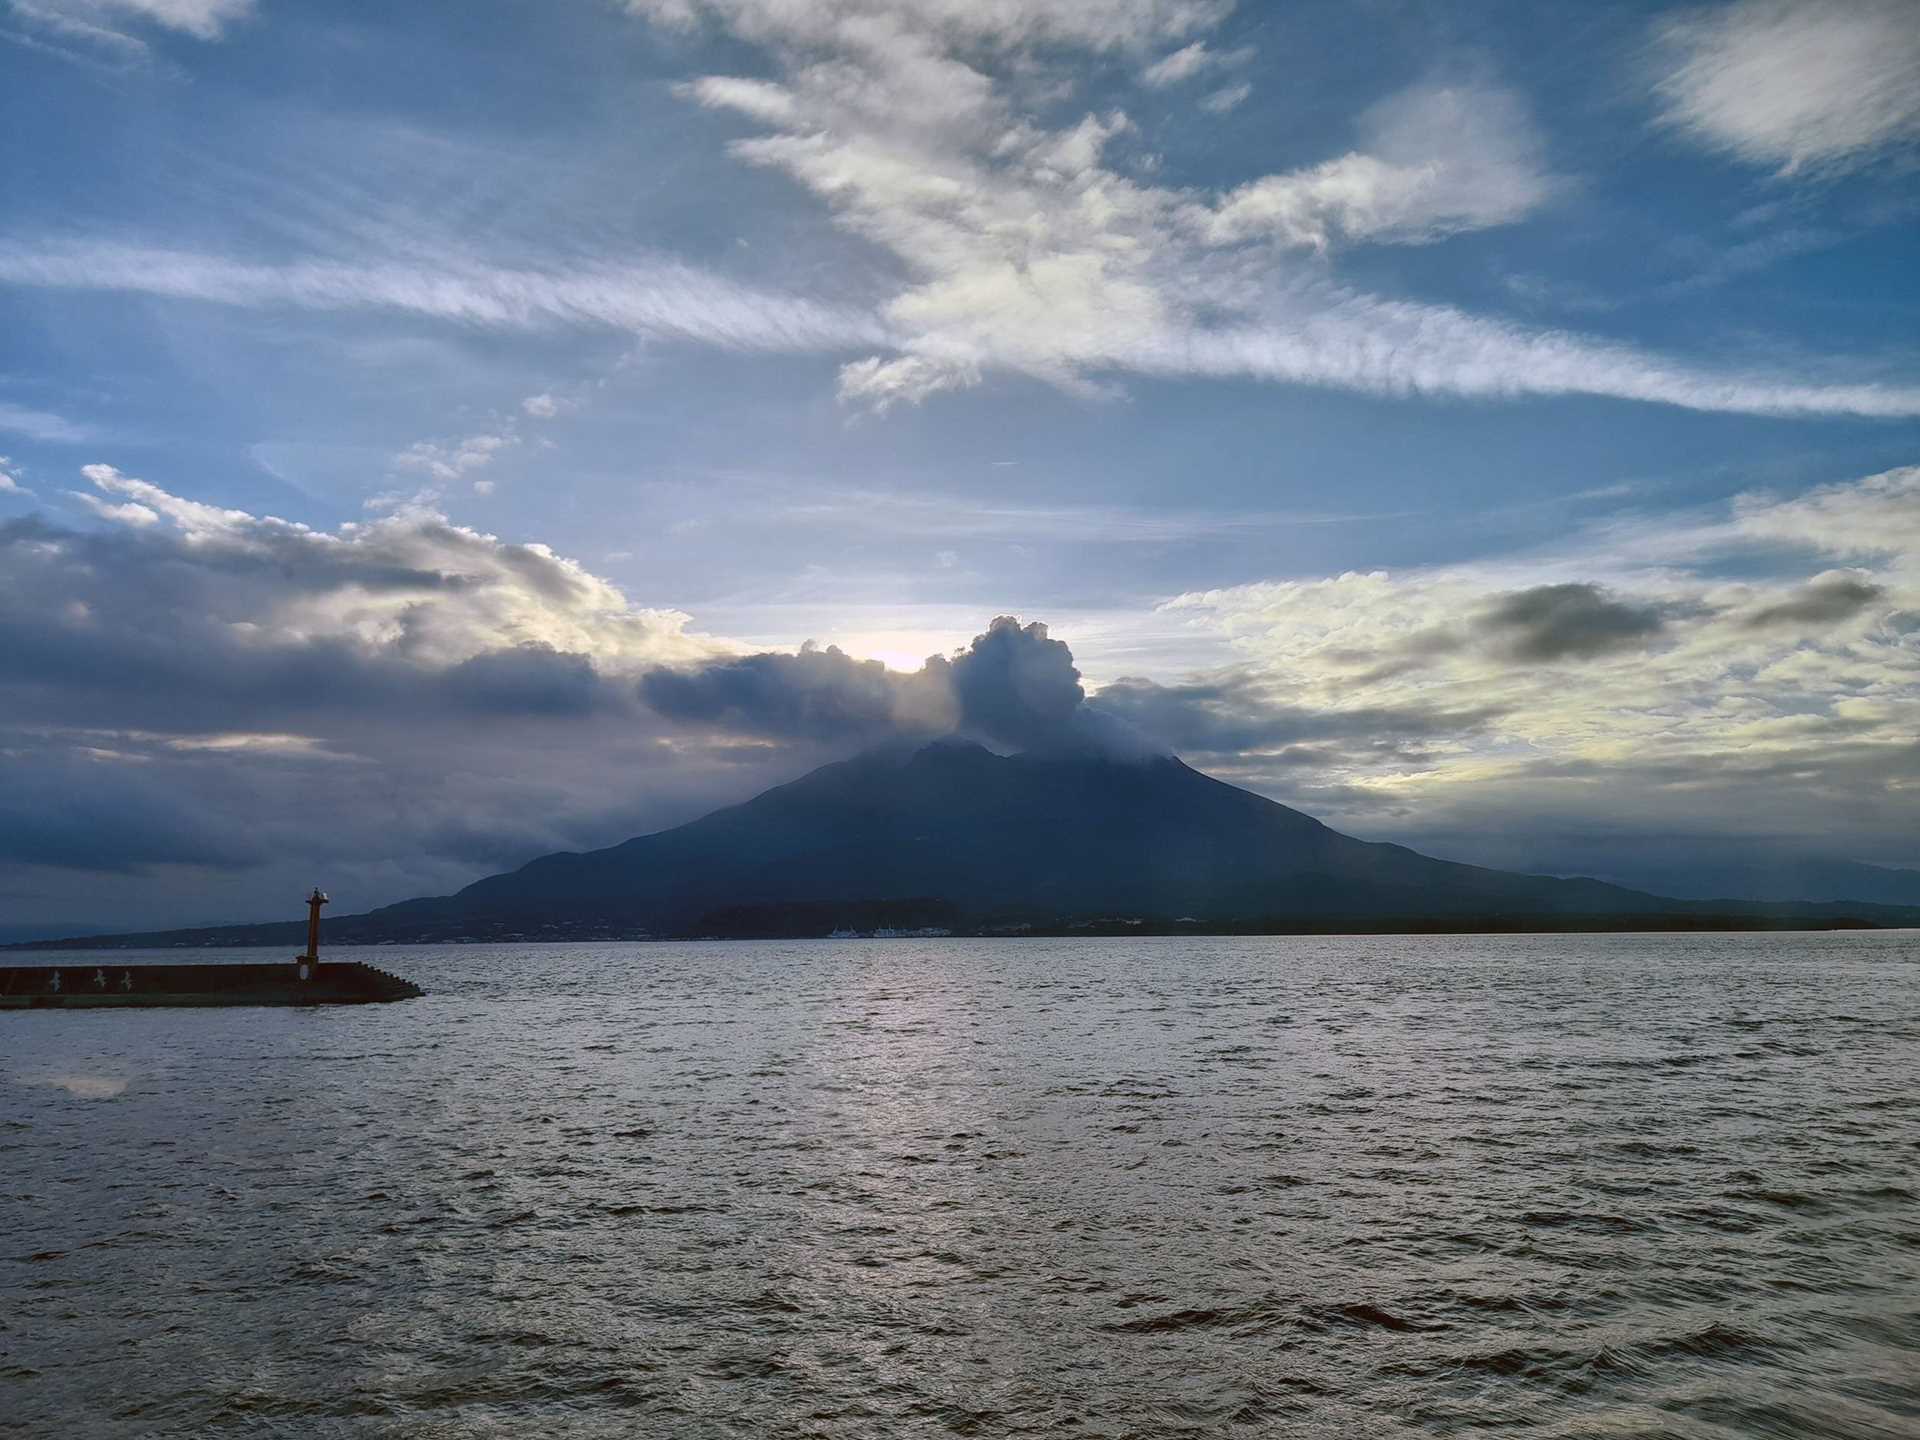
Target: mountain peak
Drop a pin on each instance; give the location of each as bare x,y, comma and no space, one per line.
943,747
1044,836
945,832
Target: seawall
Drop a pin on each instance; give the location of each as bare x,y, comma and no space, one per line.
97,986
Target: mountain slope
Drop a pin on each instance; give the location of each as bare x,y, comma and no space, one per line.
1029,837
991,833
954,834
1772,877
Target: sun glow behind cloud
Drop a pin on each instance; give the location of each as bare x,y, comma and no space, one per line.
1779,659
866,322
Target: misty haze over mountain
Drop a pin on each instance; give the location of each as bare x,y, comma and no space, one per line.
1085,831
1091,813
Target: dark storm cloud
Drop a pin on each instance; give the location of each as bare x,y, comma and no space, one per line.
71,811
123,628
815,694
497,844
1234,713
199,690
219,711
1825,600
527,680
204,703
1566,622
149,630
1543,624
1014,686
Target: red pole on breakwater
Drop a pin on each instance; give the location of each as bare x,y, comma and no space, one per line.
314,902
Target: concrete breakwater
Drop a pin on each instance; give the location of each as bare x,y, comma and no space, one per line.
85,986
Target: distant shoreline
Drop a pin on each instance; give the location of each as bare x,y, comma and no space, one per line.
1833,918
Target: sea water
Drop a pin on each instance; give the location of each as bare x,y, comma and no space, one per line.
1568,1185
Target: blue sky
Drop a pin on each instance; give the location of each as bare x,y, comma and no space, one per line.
1486,426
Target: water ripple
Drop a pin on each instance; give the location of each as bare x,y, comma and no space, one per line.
1560,1186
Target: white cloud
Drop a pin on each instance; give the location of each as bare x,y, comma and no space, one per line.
412,585
1026,251
1620,686
1191,60
148,504
203,19
1875,517
1332,336
1803,85
1095,24
1182,64
244,741
1436,160
132,513
9,485
541,407
101,23
66,23
770,104
451,460
882,384
1021,247
1220,101
661,297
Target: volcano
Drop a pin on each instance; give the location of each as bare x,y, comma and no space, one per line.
952,835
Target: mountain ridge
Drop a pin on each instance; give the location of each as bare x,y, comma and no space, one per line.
1045,841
